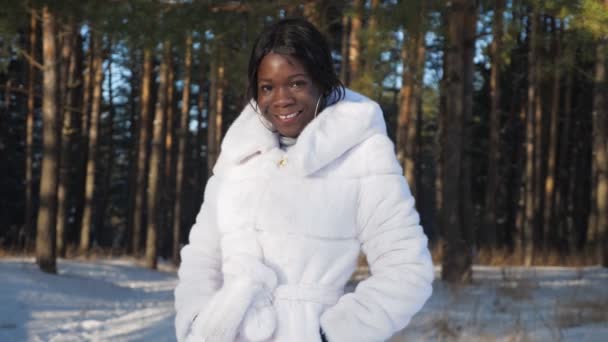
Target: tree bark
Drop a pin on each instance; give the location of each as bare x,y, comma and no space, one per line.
89,206
200,149
561,201
549,224
411,156
29,135
599,223
345,49
539,153
67,139
142,153
168,181
156,162
104,199
354,49
518,180
83,144
470,221
457,259
312,13
219,107
214,122
441,143
47,213
133,149
574,173
372,27
181,154
405,105
489,232
530,198
517,130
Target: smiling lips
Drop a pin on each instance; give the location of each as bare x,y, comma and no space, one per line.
287,118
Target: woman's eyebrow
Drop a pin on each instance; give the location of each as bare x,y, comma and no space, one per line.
288,77
296,75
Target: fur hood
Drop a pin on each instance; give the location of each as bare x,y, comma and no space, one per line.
338,128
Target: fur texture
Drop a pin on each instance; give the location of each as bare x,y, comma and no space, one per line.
275,242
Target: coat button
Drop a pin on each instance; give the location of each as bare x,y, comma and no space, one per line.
283,161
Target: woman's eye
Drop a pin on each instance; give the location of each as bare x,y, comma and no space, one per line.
298,84
265,88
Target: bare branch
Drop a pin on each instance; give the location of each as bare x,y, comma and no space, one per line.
18,90
29,58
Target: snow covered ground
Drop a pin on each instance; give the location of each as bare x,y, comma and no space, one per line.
517,304
115,300
106,300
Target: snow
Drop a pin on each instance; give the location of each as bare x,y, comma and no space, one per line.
516,304
117,300
105,300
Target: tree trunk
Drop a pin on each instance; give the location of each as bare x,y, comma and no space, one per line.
574,173
29,137
168,181
516,143
142,153
133,149
441,143
219,107
104,219
412,159
600,156
89,206
539,158
312,13
489,232
530,201
561,201
170,132
354,49
372,37
469,216
45,237
405,106
67,139
549,225
181,154
456,263
82,158
582,185
156,162
518,178
344,49
214,122
199,148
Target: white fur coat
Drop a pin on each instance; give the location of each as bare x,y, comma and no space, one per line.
278,236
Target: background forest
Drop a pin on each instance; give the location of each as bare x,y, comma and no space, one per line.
112,114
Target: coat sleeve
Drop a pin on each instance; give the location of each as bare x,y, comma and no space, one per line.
399,260
200,270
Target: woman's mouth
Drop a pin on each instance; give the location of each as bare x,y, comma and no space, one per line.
289,117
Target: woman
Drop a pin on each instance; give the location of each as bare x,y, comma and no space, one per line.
307,178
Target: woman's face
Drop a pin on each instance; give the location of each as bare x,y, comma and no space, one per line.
287,95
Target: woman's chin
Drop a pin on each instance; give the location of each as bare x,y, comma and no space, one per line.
290,133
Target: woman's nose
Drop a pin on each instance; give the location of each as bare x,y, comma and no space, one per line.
282,97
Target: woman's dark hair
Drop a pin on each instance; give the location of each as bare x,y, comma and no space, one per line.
298,38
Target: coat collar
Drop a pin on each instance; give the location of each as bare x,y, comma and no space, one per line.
338,128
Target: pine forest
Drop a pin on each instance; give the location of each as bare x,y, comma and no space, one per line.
112,115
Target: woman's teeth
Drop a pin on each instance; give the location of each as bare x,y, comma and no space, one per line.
288,116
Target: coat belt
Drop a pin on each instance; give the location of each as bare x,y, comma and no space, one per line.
308,293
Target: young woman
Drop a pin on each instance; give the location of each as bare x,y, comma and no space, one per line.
306,178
